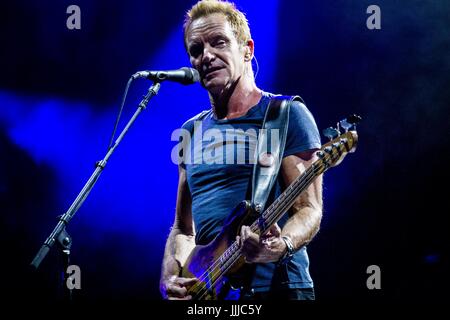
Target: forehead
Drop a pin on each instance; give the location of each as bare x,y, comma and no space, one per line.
209,25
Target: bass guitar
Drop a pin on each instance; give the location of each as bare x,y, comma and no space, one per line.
213,263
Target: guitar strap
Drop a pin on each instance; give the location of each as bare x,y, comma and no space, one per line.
268,157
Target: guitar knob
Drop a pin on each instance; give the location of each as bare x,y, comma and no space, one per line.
330,133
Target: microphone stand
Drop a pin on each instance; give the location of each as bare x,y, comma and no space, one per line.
59,233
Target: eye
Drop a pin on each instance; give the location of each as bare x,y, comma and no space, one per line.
195,50
219,42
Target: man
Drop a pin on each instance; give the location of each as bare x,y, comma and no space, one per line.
219,45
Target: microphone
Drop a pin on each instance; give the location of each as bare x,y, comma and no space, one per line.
184,75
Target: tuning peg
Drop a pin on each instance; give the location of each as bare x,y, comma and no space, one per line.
344,124
330,133
350,122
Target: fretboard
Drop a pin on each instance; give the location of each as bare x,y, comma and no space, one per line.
269,217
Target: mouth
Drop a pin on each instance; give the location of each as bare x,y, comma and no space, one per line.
209,72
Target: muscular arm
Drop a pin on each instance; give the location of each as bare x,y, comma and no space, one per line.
306,213
303,223
179,244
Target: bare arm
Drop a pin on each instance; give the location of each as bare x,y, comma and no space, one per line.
306,213
303,223
179,244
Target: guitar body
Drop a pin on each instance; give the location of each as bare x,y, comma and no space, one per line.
202,262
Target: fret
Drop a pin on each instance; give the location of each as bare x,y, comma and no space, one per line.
287,198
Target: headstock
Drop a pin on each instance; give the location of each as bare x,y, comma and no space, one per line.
333,152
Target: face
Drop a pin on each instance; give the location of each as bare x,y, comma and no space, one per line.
214,51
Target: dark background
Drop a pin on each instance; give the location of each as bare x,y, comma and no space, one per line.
60,90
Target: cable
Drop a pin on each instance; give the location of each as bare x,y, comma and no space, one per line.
111,141
256,66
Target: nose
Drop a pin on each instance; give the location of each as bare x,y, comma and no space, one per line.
208,55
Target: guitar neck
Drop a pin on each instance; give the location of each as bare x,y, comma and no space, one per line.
273,213
285,201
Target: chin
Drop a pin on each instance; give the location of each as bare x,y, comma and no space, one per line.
214,86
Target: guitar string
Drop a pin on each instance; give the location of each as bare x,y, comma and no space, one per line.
289,195
315,168
305,181
236,255
301,182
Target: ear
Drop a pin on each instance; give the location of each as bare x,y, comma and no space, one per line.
249,50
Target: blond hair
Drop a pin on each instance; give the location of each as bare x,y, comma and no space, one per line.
236,18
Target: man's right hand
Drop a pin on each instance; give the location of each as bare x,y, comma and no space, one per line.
176,288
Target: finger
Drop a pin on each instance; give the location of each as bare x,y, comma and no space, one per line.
253,236
186,282
238,240
185,298
247,233
175,291
243,233
274,231
251,247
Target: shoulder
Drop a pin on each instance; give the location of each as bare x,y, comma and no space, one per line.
303,133
298,108
300,111
296,100
189,124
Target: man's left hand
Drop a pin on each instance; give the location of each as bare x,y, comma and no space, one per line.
269,247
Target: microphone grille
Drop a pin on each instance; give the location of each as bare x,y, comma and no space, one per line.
195,75
192,74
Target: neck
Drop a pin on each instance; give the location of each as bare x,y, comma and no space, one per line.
236,99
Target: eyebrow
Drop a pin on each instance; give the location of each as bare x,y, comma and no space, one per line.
213,34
